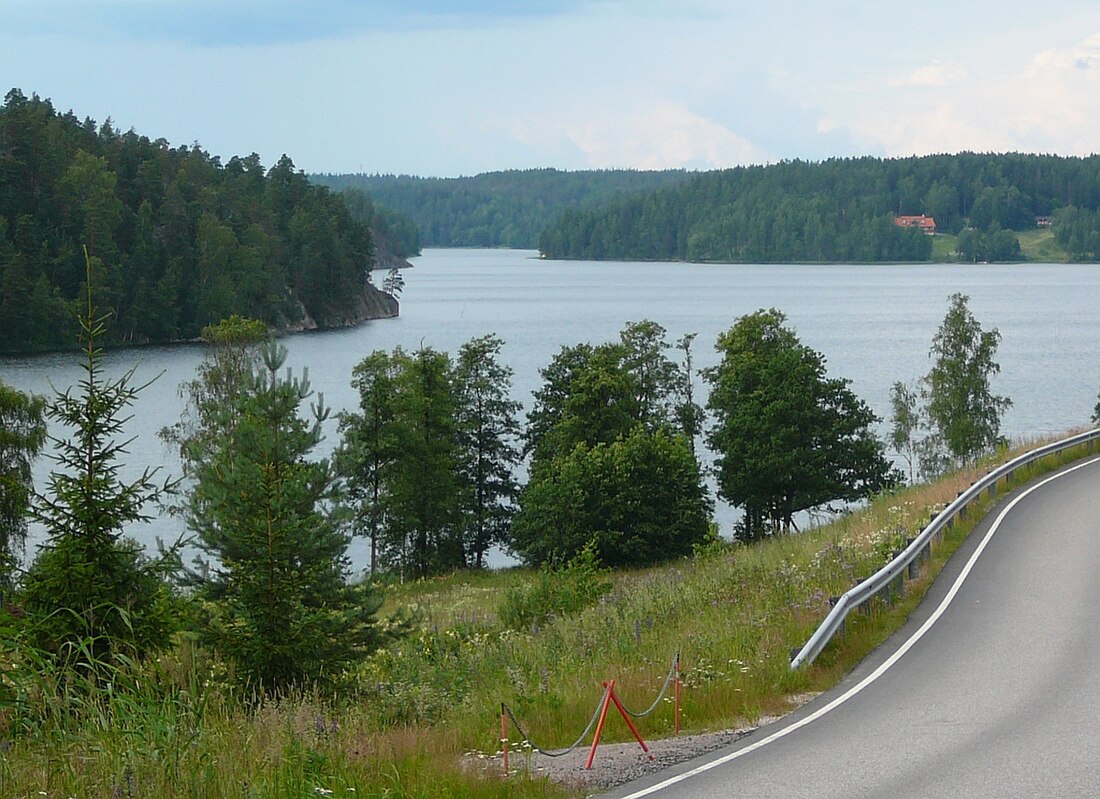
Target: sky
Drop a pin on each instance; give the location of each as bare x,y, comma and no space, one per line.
447,88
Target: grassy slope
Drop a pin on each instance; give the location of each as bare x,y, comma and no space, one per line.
1038,247
735,613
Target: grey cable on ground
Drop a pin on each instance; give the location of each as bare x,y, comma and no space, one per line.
574,745
664,689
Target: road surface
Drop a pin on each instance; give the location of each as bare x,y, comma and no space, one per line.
994,692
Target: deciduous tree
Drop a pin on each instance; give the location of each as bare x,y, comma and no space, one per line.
963,411
905,424
423,529
22,436
787,437
594,394
609,408
638,500
211,400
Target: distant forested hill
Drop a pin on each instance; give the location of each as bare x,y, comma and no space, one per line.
842,210
178,240
496,209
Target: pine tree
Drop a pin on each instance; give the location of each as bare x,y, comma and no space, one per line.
423,528
369,447
279,603
487,436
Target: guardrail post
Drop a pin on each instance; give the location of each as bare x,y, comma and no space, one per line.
843,622
504,736
912,571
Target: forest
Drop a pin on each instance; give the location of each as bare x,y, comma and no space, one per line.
180,239
496,209
843,210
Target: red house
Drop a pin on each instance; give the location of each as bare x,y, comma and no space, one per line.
926,223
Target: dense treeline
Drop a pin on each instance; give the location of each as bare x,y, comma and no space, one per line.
394,231
178,239
496,209
842,210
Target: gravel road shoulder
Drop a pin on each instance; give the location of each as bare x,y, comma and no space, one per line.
618,763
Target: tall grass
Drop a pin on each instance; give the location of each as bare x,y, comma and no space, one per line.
170,727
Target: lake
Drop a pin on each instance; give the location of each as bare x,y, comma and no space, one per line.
873,323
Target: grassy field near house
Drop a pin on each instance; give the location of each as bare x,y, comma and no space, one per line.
943,248
1037,245
171,728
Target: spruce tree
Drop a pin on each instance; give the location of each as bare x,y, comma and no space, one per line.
91,593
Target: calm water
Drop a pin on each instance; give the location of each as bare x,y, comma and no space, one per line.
873,323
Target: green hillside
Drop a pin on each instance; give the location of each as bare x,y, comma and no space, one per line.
842,210
496,209
177,239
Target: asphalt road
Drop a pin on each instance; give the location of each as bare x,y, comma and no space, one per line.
994,694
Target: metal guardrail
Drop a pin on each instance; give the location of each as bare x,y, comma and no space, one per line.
894,572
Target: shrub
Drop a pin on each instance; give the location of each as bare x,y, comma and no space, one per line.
556,592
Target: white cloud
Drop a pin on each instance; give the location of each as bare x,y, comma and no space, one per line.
1048,101
1082,56
932,75
662,135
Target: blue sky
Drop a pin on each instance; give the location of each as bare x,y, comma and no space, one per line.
432,87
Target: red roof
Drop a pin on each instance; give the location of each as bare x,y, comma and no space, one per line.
925,223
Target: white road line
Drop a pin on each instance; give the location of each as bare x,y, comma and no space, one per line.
870,678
